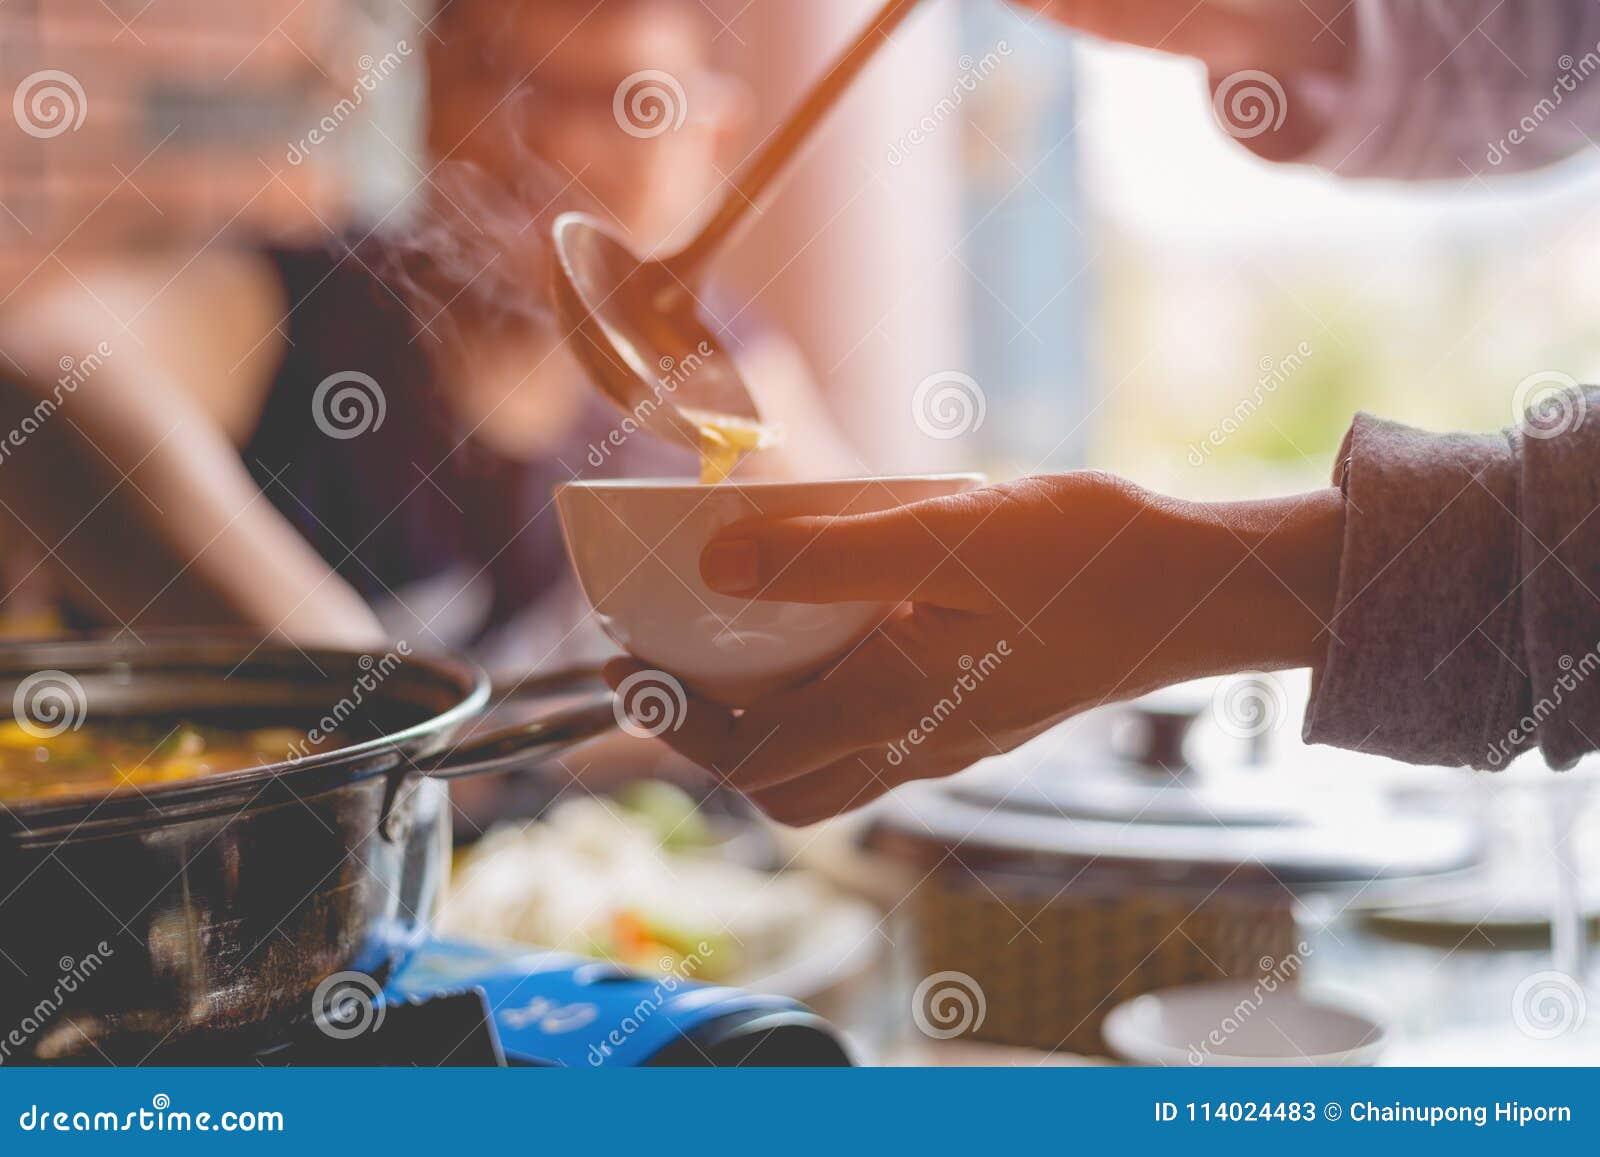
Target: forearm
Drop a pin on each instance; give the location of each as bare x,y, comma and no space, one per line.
148,514
1254,583
1265,47
1312,35
1433,91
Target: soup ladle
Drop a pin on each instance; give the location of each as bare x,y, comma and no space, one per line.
635,324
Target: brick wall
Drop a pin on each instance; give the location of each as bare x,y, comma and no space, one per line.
136,122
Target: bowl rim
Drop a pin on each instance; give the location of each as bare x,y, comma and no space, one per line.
657,485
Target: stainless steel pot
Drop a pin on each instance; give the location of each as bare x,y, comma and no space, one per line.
194,921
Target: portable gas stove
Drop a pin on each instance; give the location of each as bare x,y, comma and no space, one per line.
458,1003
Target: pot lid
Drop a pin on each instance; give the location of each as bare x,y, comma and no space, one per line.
1128,795
1144,808
1145,772
924,819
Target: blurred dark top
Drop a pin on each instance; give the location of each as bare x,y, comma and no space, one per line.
415,496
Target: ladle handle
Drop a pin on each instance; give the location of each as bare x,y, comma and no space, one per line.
752,178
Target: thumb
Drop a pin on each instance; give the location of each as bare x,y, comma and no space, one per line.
908,554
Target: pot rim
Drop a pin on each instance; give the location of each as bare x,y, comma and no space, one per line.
94,813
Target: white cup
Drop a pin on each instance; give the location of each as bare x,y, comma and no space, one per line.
636,544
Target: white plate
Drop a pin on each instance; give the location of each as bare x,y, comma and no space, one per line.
1242,1022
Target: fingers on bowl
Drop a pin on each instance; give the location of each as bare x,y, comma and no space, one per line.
909,554
820,749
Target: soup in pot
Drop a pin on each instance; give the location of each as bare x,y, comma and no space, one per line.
95,759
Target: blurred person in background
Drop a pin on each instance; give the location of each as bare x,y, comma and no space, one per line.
524,115
398,401
1443,590
127,149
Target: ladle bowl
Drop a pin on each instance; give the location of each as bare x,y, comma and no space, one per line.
636,328
634,324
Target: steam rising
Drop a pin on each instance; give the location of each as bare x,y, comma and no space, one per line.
476,244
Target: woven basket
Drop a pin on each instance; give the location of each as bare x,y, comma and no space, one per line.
1051,962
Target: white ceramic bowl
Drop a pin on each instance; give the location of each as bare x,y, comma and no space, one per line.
636,547
1234,1023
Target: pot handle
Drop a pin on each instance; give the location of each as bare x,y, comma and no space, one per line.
547,734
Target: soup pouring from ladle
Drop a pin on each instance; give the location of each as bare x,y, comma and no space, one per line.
635,325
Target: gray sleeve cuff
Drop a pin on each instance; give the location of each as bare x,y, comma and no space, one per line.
1425,660
1560,547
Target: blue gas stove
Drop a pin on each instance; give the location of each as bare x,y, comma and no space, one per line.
458,1003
